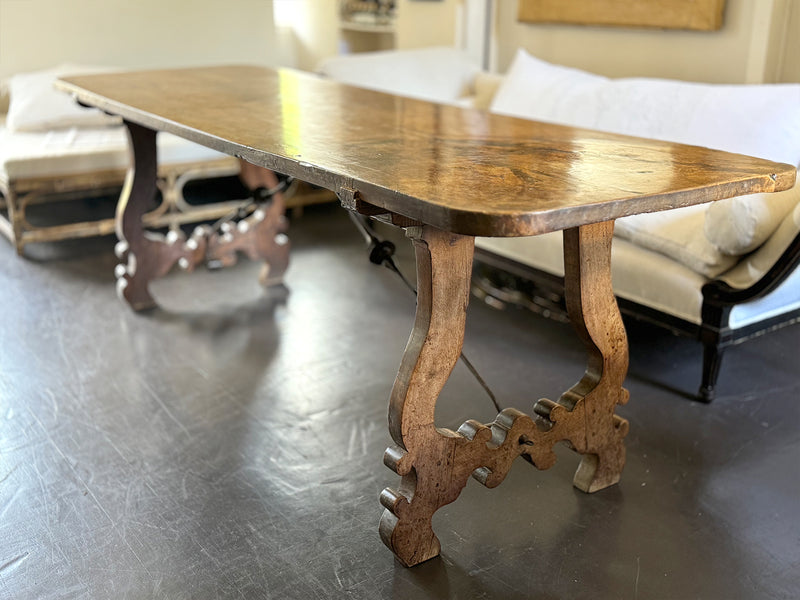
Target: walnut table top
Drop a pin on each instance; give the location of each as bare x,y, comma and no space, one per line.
460,170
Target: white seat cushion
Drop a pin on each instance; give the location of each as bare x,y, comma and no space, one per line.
757,120
783,299
84,150
676,290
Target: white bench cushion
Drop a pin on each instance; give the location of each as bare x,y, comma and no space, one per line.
84,150
37,106
783,299
678,234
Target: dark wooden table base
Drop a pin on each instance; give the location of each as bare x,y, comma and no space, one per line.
435,463
146,255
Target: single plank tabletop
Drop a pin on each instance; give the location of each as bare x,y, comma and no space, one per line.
461,170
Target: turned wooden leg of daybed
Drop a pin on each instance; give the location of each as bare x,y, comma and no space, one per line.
435,463
712,361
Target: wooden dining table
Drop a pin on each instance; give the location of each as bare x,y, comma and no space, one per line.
446,174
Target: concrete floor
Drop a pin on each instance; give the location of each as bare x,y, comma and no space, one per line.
229,444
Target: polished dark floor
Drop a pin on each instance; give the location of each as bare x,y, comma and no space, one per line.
229,444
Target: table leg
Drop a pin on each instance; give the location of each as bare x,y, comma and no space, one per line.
434,463
147,255
595,315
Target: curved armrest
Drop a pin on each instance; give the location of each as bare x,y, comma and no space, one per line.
719,293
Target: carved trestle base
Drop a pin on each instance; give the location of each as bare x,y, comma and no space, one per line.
147,255
435,463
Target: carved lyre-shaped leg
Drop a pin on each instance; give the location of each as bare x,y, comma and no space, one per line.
148,255
145,257
424,455
595,315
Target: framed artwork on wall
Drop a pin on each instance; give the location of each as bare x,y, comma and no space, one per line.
701,15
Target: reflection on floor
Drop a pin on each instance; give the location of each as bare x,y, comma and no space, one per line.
230,443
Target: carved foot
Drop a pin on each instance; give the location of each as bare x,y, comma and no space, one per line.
273,244
436,473
278,258
133,290
154,257
603,467
406,526
139,190
444,262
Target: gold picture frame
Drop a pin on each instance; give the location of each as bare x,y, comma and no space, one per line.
700,15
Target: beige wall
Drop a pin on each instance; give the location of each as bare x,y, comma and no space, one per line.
308,30
788,64
421,24
760,40
37,34
747,49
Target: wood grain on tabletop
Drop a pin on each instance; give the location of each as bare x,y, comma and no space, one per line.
461,170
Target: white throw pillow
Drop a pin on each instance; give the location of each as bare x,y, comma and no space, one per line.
755,265
758,120
437,74
739,225
37,106
678,234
